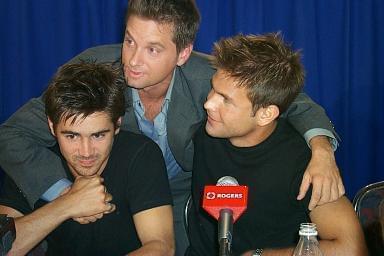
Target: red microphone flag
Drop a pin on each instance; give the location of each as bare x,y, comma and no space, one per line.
216,198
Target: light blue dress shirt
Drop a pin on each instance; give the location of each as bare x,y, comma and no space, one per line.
157,130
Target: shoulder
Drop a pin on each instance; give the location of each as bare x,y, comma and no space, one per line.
136,153
198,66
127,142
287,149
288,135
207,146
201,135
132,138
101,53
193,79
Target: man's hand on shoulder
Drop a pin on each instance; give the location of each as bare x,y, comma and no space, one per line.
88,199
323,173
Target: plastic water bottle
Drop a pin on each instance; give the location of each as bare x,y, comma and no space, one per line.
308,244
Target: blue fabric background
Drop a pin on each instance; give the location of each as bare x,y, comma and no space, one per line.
342,43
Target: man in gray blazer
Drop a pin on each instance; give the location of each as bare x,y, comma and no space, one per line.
167,84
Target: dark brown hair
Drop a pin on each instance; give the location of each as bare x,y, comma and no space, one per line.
182,15
265,65
81,89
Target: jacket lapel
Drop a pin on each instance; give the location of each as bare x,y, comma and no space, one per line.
129,121
182,121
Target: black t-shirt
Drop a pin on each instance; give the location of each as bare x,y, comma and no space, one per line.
136,177
272,170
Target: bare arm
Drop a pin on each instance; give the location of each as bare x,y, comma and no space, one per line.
274,252
155,230
339,231
86,197
27,225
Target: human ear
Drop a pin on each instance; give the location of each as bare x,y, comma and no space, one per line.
51,128
118,124
266,115
184,55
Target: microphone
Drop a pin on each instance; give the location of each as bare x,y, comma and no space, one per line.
225,202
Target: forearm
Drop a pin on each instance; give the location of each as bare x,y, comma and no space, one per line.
321,146
33,228
86,197
322,172
155,229
273,252
158,247
304,114
319,132
339,229
335,247
327,248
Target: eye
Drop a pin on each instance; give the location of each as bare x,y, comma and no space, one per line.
129,41
153,51
70,136
98,136
226,100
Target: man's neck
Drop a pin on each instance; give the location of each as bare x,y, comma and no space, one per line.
255,138
152,99
153,93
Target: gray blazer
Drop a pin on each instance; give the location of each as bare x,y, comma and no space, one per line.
25,136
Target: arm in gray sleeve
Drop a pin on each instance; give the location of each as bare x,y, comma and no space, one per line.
24,153
104,53
310,119
25,138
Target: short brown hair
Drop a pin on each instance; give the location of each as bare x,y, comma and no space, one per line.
183,15
81,89
265,65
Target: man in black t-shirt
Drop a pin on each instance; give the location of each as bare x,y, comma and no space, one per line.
257,78
120,200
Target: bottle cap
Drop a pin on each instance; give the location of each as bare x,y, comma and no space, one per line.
308,229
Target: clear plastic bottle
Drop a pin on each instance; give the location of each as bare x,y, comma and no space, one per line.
308,244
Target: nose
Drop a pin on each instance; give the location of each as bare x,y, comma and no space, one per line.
135,58
210,102
85,148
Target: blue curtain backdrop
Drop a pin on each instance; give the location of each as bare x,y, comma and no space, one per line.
342,42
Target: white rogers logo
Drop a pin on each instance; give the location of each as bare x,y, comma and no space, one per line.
211,195
230,195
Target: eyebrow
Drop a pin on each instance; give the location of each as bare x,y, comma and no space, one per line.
102,131
220,93
156,44
150,43
69,132
126,33
76,133
225,96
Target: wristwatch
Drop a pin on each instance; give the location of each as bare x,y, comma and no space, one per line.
257,252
